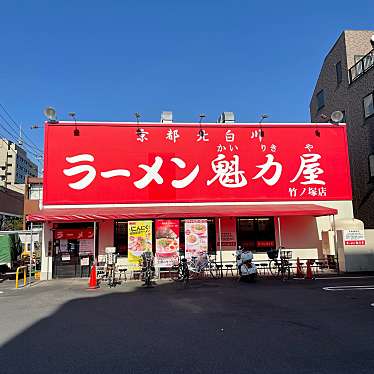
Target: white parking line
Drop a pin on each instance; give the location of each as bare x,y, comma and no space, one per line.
349,288
372,304
329,278
1,291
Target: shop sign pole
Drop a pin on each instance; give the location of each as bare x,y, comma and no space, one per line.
220,245
31,252
279,232
336,245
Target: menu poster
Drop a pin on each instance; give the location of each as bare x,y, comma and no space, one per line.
86,247
167,242
196,237
139,240
63,246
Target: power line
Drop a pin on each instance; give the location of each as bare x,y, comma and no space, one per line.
17,126
14,140
12,128
11,138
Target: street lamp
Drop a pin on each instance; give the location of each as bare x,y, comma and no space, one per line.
263,117
76,131
201,131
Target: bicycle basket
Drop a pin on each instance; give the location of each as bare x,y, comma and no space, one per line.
272,254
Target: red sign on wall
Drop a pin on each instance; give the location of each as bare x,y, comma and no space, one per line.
73,234
117,163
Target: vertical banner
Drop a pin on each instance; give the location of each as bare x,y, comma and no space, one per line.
167,242
139,240
196,237
228,234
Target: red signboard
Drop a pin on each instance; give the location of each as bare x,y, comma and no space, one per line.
112,163
354,242
73,234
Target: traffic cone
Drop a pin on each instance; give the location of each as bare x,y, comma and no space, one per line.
299,271
92,284
309,274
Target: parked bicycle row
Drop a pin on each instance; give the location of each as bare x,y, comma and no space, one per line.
279,265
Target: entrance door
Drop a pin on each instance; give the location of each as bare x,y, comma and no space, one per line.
73,251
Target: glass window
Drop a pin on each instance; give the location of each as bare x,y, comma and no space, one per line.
256,234
120,238
368,61
338,67
320,99
35,192
368,105
344,120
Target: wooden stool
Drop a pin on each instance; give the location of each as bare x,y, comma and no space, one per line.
229,268
219,270
122,271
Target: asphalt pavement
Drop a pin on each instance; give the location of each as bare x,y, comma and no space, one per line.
213,326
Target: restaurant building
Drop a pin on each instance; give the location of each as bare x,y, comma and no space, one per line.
184,188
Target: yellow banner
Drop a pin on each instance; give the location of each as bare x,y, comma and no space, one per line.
139,240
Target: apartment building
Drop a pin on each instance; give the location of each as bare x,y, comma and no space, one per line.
32,198
14,164
346,83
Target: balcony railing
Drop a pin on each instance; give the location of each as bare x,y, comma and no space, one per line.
361,66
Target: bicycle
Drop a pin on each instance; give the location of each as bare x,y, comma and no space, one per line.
198,265
147,268
187,269
111,276
279,266
181,272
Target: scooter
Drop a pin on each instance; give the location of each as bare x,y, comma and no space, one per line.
247,270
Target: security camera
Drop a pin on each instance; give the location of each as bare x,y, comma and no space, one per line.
324,117
372,41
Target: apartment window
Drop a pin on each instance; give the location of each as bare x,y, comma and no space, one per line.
368,105
320,100
359,66
35,192
339,75
344,120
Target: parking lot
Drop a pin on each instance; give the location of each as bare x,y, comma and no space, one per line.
220,326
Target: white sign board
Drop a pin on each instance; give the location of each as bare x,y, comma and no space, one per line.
354,237
85,261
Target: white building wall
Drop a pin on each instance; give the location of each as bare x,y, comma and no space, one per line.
47,264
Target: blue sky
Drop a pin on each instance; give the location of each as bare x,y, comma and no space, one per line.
106,60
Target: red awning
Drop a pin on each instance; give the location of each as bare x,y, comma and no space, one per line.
101,214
